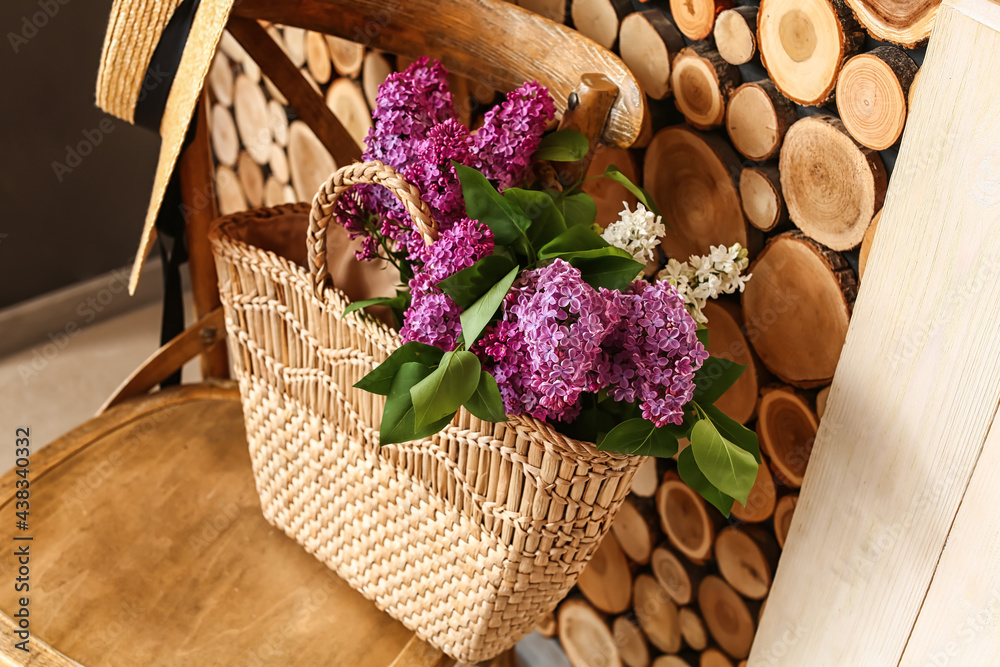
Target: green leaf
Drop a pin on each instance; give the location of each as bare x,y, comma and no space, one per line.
486,402
615,174
729,468
398,417
733,431
574,239
612,271
714,377
639,437
398,301
444,391
379,381
478,315
546,219
687,468
579,209
466,286
702,334
563,146
484,203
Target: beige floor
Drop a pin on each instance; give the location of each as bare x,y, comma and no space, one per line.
54,387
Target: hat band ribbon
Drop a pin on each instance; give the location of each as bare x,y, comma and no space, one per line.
162,69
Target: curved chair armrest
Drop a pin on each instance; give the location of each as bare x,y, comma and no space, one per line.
492,41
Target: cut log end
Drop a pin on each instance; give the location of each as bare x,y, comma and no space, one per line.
674,661
685,518
228,191
548,627
761,501
318,57
866,244
585,636
906,23
309,162
736,35
757,118
832,185
346,56
726,340
279,164
760,193
631,643
251,180
713,657
786,428
872,95
221,80
821,398
676,574
692,628
225,140
803,44
702,82
636,530
250,107
783,517
649,42
728,618
376,69
277,120
696,18
747,559
347,102
607,580
599,19
796,309
657,614
646,480
692,174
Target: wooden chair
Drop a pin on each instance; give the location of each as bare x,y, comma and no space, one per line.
148,544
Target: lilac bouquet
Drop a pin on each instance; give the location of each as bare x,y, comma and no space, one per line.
522,306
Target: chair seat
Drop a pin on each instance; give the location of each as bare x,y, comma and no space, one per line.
149,548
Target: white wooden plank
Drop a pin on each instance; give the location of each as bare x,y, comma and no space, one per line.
918,382
959,622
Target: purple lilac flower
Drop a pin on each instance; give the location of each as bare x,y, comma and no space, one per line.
409,104
416,131
544,350
510,133
652,354
433,173
433,317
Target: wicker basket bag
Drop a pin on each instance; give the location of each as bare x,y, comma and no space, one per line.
468,537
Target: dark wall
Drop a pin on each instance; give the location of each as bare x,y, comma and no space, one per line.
63,219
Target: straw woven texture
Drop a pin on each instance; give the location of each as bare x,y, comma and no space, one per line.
468,537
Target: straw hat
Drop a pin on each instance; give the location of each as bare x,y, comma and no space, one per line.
156,56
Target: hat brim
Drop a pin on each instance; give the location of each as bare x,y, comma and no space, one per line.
206,31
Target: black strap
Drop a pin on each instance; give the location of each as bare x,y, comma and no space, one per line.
163,66
170,224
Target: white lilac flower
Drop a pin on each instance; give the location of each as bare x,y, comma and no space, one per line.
705,277
636,232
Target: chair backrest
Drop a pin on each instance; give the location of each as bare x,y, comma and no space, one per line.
492,41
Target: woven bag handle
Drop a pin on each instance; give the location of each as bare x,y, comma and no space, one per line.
357,174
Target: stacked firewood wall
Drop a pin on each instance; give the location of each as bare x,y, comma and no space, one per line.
265,155
775,125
